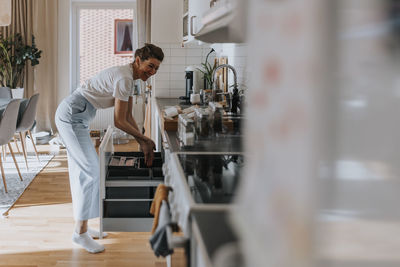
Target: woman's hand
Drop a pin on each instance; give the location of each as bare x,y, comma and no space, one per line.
148,147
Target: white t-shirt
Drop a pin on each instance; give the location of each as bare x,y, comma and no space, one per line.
108,84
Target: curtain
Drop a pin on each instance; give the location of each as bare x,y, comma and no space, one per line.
38,17
21,22
45,24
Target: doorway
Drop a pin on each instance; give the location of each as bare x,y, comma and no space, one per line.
103,35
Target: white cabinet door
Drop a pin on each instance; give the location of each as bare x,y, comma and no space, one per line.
196,11
166,21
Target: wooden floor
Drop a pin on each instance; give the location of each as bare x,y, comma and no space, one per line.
39,227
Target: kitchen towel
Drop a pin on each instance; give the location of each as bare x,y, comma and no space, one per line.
160,195
159,240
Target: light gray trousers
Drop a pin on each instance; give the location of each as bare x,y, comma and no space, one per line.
72,119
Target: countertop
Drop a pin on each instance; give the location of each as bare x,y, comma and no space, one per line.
226,144
211,224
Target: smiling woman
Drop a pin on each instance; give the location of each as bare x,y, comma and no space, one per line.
110,87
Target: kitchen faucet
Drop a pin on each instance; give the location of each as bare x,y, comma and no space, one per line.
235,94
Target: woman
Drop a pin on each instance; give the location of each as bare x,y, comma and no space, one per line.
110,87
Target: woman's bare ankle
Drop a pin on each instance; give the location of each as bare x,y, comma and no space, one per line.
81,227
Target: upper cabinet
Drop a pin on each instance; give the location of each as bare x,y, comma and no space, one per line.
192,13
216,21
166,21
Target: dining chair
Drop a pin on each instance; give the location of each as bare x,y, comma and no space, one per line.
5,92
8,124
25,123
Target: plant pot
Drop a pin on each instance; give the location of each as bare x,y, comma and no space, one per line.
17,93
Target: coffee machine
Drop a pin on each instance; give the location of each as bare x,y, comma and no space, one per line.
193,83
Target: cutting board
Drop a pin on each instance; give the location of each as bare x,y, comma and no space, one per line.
169,125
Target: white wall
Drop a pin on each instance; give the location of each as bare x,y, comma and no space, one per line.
170,79
237,57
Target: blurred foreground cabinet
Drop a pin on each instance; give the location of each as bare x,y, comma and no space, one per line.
323,178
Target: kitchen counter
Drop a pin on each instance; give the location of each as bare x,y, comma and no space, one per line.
204,178
224,143
219,144
163,102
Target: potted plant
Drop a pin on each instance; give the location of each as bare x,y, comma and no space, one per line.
14,54
208,71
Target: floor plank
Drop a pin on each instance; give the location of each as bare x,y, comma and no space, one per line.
38,230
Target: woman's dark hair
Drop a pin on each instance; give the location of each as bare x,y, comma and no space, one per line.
149,51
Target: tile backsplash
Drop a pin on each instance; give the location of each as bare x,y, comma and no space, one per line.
237,57
170,79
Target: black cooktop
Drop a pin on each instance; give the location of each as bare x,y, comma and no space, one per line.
230,144
212,178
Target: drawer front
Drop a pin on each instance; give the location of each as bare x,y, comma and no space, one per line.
127,209
127,173
129,192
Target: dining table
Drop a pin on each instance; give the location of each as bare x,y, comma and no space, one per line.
22,105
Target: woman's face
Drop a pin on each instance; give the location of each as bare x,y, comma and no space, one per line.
146,68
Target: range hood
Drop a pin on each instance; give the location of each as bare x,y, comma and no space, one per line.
225,22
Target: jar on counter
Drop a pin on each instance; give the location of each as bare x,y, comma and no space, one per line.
201,123
185,130
216,112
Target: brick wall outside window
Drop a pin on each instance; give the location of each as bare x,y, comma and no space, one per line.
97,40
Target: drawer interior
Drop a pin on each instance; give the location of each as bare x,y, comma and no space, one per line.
157,162
137,172
157,174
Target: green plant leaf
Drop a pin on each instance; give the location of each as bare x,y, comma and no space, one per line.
14,54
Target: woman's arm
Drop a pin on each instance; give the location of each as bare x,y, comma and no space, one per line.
122,120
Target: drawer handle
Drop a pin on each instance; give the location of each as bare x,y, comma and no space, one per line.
191,26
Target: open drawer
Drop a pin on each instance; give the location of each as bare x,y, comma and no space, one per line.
126,190
136,169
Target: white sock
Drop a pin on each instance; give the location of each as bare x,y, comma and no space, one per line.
87,242
95,234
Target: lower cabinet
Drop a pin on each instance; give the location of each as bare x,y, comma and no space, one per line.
127,209
127,190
